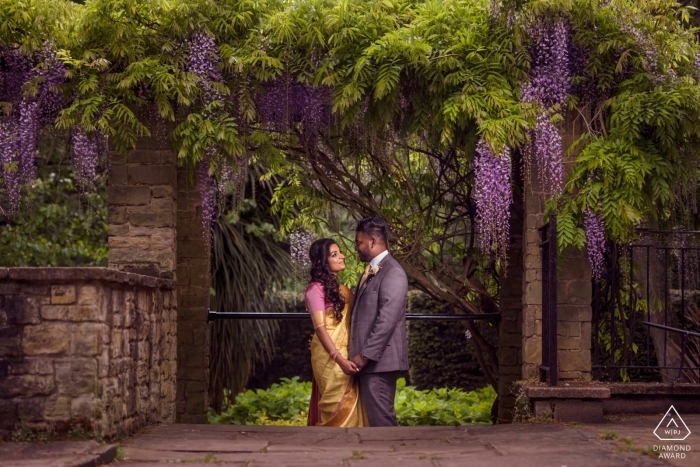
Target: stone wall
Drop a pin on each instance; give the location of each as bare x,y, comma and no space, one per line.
85,347
193,280
142,209
155,228
510,327
573,292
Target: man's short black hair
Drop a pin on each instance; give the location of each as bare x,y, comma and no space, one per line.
374,226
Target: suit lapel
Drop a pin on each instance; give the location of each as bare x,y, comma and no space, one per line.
363,285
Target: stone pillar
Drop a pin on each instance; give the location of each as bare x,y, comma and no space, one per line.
142,209
510,330
193,281
573,292
155,229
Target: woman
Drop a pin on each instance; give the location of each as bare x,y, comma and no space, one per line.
335,399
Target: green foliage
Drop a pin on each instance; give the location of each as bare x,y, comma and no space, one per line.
287,403
439,354
60,226
443,406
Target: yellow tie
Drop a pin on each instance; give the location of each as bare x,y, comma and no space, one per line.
364,277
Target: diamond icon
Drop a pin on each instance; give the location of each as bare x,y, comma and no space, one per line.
672,427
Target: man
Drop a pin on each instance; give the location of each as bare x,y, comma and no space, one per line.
378,324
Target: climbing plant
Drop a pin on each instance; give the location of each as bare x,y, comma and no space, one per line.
420,112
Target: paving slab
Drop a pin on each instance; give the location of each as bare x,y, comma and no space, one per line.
617,442
522,445
56,454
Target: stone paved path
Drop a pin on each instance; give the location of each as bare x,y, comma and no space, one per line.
522,445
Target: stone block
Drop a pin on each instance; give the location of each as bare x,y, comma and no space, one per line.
533,294
162,239
510,340
562,328
574,360
152,174
45,339
196,402
569,343
130,243
585,334
542,408
532,350
26,386
31,410
8,411
575,330
57,408
118,175
9,288
71,313
118,230
76,377
147,217
572,410
86,340
88,295
10,346
125,195
162,191
116,215
578,293
21,309
509,356
82,407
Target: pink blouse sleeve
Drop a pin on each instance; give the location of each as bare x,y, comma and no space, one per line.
315,298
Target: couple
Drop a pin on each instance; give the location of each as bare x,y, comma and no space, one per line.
359,346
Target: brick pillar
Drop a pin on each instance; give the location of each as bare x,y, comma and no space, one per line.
142,210
193,281
573,292
510,330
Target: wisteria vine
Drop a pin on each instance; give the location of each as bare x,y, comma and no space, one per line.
547,88
493,193
20,127
595,241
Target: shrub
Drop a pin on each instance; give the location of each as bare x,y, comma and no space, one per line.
287,403
439,354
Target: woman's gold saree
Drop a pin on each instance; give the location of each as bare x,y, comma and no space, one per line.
336,399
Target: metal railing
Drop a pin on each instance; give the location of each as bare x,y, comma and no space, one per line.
646,316
548,247
216,315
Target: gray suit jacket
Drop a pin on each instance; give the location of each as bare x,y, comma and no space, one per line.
378,323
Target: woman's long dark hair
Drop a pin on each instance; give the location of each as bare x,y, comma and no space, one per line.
318,253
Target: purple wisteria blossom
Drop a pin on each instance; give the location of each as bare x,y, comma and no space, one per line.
86,152
203,61
594,225
19,129
299,244
493,198
548,87
206,189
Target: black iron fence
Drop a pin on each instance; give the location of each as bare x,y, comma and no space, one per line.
548,247
216,315
646,310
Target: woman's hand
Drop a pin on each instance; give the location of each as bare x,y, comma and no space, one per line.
348,367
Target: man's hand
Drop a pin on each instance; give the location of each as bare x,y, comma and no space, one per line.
359,361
